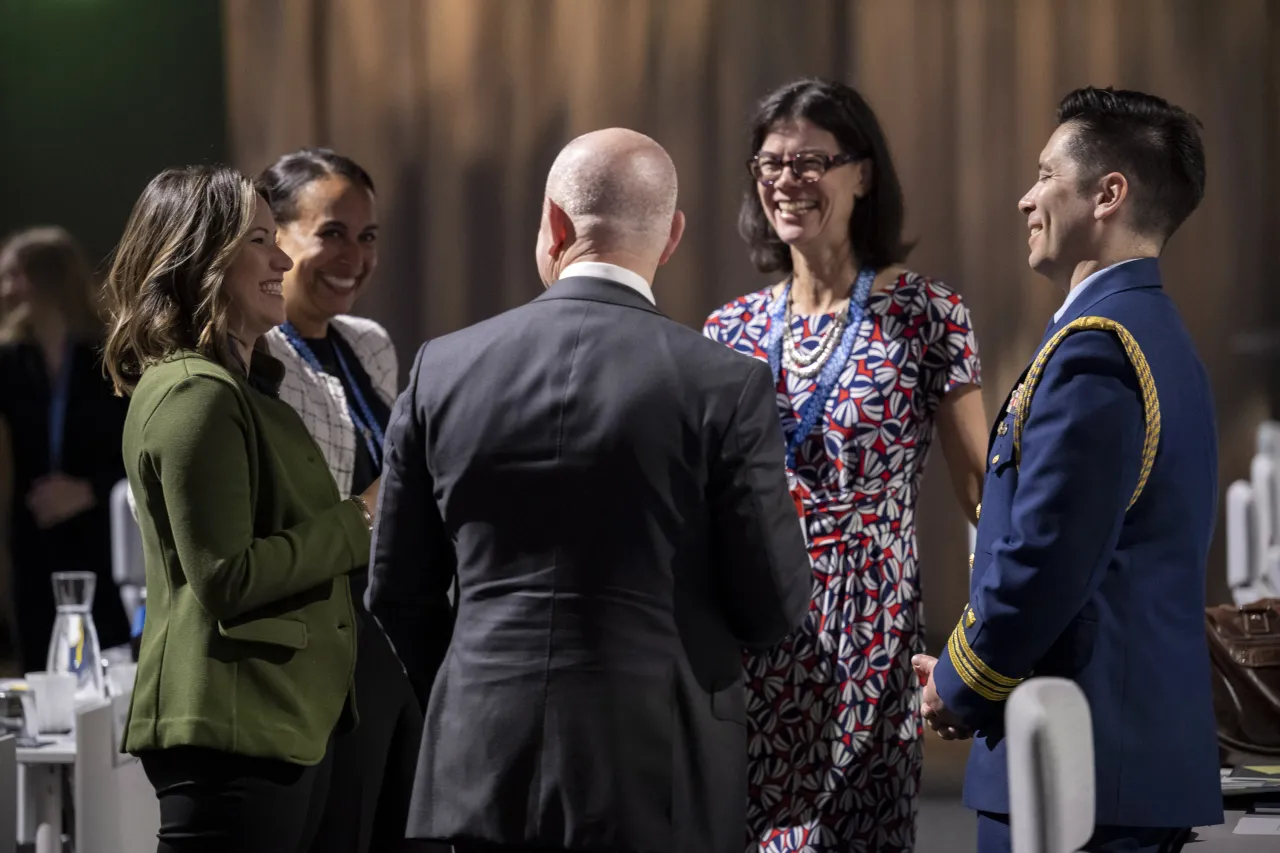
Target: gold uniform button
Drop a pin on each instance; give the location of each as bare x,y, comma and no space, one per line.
971,561
969,619
995,459
977,513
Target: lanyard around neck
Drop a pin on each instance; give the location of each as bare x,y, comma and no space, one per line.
59,394
812,408
361,413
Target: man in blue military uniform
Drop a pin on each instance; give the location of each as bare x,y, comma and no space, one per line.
1100,494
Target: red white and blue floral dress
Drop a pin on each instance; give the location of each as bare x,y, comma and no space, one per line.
834,730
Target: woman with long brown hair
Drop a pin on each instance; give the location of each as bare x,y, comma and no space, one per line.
248,653
64,427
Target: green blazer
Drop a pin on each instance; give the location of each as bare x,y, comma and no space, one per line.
250,638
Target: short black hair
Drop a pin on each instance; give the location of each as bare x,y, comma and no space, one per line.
1154,144
875,229
286,178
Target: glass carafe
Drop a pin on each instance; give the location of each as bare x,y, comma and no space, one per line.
74,646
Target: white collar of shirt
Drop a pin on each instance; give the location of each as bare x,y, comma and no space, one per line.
612,272
1079,288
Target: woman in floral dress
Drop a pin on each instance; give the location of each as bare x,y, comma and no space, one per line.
868,358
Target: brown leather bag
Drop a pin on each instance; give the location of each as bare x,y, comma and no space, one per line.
1244,650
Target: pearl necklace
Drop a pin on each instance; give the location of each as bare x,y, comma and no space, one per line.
807,365
843,336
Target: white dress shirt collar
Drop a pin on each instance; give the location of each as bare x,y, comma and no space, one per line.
1079,288
612,272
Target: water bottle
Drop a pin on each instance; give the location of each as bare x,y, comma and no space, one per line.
74,646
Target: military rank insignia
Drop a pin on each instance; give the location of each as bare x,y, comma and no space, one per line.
1011,410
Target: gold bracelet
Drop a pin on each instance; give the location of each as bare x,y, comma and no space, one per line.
364,508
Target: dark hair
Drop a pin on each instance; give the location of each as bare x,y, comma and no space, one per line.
287,177
1154,144
58,274
165,290
875,229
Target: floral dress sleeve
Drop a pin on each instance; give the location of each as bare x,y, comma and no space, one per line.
951,358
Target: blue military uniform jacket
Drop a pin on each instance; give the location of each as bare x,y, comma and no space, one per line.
1097,512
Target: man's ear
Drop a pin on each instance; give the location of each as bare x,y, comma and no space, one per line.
1112,190
562,233
673,239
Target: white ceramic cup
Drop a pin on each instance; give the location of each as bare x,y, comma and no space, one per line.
55,694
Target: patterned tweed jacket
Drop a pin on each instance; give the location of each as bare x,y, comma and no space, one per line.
319,397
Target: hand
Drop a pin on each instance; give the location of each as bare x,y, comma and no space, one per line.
56,497
940,719
370,496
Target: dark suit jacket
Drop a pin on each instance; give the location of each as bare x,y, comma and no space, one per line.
1074,577
608,487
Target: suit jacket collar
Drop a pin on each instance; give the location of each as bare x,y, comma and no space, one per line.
597,290
1131,276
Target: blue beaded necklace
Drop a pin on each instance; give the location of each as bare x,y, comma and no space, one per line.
361,415
830,375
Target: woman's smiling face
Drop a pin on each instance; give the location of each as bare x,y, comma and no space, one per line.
808,214
333,244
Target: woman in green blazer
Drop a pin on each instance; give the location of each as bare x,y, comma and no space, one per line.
245,669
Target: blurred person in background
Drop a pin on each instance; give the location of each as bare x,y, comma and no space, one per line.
64,427
341,376
248,653
867,358
9,654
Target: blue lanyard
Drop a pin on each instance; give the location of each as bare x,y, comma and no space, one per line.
60,392
361,415
830,375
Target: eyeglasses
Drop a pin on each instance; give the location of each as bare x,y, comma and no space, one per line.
806,167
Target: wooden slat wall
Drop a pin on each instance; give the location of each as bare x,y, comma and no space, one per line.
457,108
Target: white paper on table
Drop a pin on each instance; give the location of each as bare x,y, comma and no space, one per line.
1257,825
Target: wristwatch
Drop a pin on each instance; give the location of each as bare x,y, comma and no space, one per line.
364,508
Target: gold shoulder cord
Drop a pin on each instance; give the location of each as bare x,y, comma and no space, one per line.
1150,401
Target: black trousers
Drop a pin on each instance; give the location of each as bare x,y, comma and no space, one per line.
374,765
213,801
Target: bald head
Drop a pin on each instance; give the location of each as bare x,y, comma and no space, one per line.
618,187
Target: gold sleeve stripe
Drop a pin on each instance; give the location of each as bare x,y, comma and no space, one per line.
1150,401
987,672
970,678
976,675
